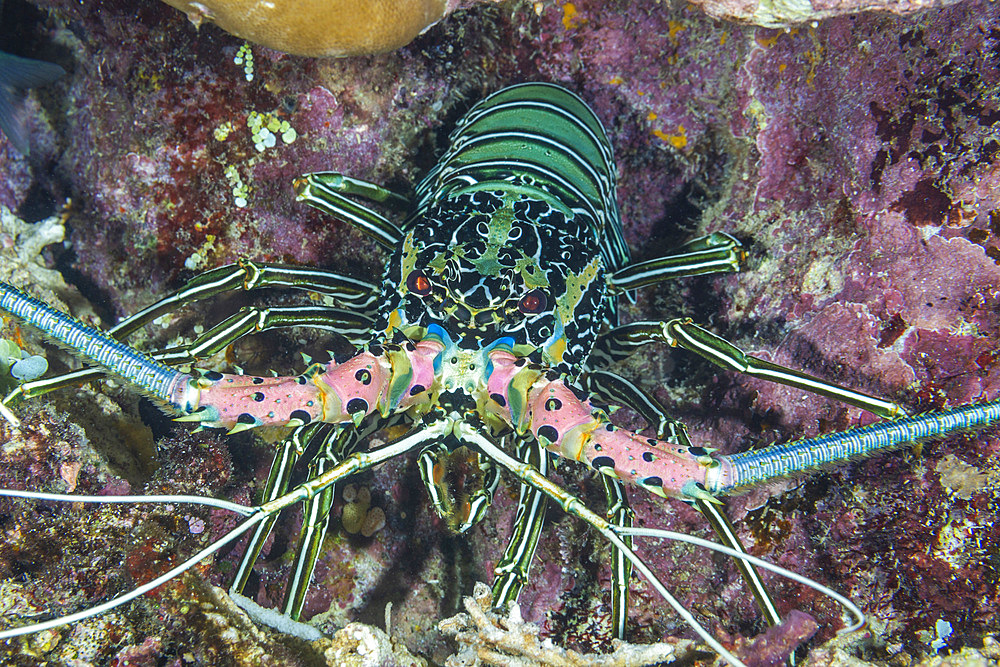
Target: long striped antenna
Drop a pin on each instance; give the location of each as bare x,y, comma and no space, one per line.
763,465
159,381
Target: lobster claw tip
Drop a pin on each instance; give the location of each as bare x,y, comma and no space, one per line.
206,414
239,427
697,491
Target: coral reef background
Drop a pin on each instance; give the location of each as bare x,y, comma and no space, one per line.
859,158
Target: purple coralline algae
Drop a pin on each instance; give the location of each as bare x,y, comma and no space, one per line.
858,158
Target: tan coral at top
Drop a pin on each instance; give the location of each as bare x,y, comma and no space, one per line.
319,27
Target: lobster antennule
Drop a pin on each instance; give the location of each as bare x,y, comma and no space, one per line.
253,515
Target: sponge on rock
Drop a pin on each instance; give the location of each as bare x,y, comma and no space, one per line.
320,27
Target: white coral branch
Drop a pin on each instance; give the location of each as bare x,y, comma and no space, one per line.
485,638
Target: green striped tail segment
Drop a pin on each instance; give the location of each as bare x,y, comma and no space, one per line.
159,381
763,465
539,139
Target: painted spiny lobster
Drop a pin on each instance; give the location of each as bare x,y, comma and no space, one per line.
490,338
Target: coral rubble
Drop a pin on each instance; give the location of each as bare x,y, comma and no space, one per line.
486,639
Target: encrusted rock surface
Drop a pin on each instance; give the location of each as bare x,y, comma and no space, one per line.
790,13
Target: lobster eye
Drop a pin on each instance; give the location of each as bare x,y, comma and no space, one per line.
418,283
532,302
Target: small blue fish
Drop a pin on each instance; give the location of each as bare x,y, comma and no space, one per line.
16,75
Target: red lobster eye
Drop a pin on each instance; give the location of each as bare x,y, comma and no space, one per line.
532,302
418,283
